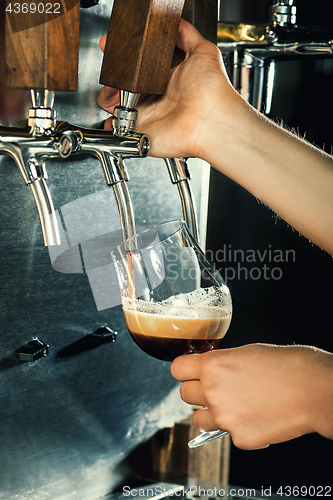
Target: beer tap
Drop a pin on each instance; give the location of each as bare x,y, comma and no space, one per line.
180,175
111,149
30,147
43,137
38,58
142,65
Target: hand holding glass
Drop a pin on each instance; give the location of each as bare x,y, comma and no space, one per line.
174,301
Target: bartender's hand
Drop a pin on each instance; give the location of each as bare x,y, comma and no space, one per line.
202,115
261,394
178,121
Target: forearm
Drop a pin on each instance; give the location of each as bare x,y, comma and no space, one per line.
285,172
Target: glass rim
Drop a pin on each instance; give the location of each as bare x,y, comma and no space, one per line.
181,225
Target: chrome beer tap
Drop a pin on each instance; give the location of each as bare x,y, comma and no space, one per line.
251,51
43,138
123,122
142,66
112,148
180,175
30,147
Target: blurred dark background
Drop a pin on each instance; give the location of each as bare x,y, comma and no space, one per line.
296,307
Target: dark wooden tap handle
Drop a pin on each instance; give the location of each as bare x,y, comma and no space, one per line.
140,45
42,44
141,41
203,14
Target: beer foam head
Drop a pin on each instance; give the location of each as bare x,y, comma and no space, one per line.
210,302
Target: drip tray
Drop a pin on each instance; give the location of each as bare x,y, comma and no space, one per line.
195,490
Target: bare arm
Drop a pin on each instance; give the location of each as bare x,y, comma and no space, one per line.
289,175
202,115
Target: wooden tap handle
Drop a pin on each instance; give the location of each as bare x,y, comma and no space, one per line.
42,44
141,41
203,14
140,45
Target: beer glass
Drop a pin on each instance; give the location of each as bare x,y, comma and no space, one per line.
174,301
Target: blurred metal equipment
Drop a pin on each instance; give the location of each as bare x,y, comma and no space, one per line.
252,50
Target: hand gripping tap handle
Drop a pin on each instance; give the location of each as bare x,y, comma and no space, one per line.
138,58
138,53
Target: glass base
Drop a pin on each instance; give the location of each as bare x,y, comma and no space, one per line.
206,437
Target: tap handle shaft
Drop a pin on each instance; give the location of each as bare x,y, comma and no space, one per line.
140,45
42,45
203,14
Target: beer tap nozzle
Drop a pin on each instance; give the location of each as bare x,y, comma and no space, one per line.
30,147
125,115
111,149
123,122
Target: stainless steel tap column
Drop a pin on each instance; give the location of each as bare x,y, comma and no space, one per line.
180,175
30,147
123,122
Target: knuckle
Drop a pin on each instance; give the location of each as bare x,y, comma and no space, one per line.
210,395
220,422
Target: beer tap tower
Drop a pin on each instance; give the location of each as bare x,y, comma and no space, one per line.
43,138
138,59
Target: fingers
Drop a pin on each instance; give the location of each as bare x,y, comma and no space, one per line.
108,98
191,394
188,37
102,42
187,367
203,420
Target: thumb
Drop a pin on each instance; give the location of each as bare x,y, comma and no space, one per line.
188,37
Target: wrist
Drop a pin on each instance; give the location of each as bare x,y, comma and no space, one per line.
227,134
320,397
